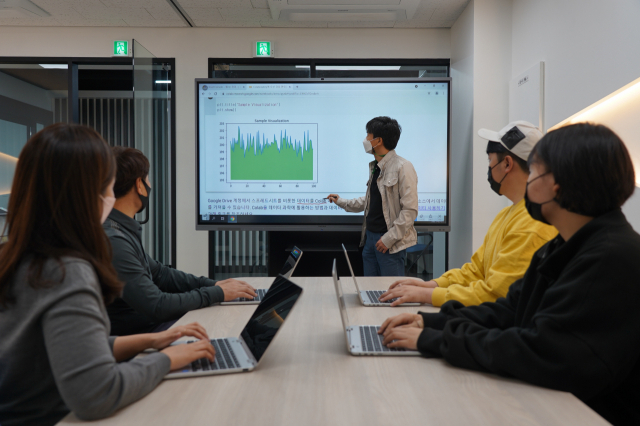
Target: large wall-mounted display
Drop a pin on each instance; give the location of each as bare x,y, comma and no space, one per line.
270,150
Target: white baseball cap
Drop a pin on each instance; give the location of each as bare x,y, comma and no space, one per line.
518,137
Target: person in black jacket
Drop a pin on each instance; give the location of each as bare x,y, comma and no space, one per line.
572,323
154,295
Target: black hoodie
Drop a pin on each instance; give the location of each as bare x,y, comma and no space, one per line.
572,323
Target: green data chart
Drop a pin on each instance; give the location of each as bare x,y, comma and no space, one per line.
275,154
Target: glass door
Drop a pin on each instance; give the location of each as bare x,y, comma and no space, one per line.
152,135
32,96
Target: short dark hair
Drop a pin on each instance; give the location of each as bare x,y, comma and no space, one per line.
592,166
386,128
501,152
132,164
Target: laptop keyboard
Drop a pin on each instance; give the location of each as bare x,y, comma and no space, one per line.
375,294
260,292
372,341
225,358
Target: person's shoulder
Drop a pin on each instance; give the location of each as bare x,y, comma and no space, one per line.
116,233
113,228
120,239
78,272
502,214
63,276
618,236
398,158
403,164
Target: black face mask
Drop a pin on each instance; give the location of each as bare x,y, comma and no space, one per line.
144,200
495,186
535,209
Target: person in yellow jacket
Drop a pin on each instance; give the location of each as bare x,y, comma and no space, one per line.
512,239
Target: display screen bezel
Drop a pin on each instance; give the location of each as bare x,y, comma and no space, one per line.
313,223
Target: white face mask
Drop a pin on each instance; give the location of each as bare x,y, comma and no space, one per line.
367,146
107,205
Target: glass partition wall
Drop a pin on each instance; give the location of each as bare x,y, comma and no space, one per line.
152,128
98,92
246,253
32,96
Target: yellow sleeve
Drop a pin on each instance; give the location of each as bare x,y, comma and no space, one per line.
471,271
511,263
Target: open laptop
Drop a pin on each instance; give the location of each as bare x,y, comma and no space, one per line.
370,297
363,339
237,355
287,271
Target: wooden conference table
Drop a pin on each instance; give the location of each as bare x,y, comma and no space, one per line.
308,378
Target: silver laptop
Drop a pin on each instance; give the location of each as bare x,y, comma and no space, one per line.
287,271
371,297
237,355
363,339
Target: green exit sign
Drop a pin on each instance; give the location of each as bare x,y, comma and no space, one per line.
263,49
120,48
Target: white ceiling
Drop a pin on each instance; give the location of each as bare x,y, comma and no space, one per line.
208,13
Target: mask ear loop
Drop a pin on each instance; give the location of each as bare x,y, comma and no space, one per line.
497,164
147,217
372,147
546,202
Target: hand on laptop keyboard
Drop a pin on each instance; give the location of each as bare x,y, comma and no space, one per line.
165,338
407,294
234,289
402,337
374,296
182,355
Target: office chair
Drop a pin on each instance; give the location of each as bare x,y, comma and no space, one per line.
419,251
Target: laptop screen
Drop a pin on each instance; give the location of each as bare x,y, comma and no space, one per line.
350,268
270,315
290,264
340,296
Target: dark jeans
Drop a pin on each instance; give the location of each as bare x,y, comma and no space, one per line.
377,264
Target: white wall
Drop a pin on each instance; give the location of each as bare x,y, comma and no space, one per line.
590,49
462,45
621,113
491,76
191,48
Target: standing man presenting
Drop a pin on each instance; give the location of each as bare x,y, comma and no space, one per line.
390,205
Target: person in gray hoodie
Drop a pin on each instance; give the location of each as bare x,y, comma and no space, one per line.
56,277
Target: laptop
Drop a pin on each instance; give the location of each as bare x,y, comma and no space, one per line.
370,297
241,354
287,271
363,339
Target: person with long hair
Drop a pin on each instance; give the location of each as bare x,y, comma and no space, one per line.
56,277
572,322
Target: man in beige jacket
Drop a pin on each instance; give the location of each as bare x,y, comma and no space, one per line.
390,205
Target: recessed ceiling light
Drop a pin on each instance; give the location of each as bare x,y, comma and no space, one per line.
359,67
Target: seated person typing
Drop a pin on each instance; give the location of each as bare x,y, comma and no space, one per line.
56,276
512,238
572,323
154,295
